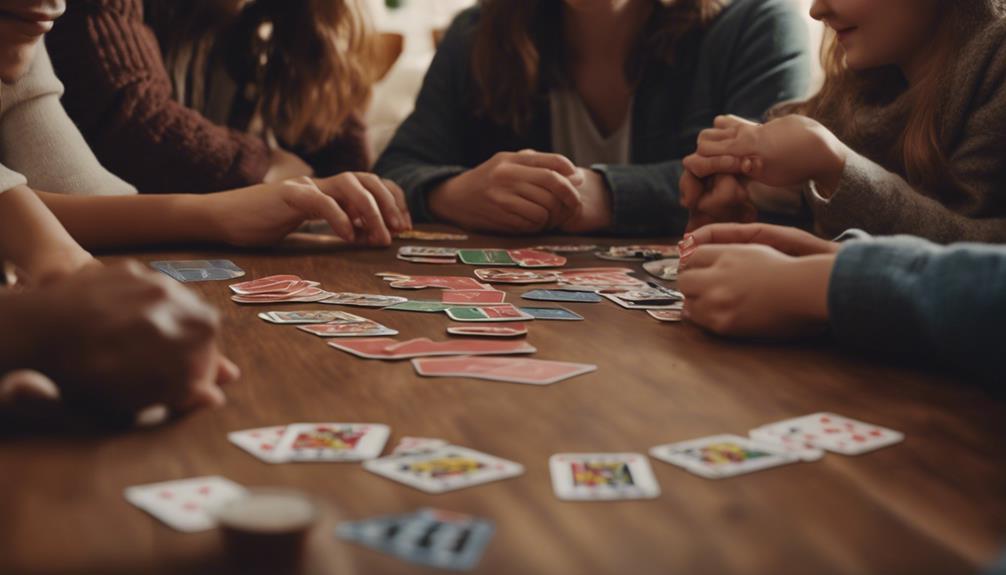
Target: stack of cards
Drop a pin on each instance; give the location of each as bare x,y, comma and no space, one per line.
564,249
199,270
278,289
428,254
304,317
638,253
348,325
525,258
428,537
444,469
430,236
391,349
561,295
363,299
602,476
318,442
186,505
405,281
489,330
512,276
593,279
508,369
495,312
647,298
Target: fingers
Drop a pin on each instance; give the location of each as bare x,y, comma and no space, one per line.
554,162
359,204
791,241
691,188
228,372
403,205
726,122
520,215
388,204
547,179
559,213
312,204
726,195
703,257
703,164
694,282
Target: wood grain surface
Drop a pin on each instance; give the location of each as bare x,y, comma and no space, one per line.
933,504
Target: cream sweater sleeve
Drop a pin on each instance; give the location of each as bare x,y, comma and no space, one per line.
41,146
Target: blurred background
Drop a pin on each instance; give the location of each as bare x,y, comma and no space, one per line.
409,30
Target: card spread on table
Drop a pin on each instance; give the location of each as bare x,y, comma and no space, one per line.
473,296
514,276
602,476
666,315
721,456
663,269
391,349
592,279
421,306
363,299
199,270
830,432
499,312
412,445
261,442
646,298
323,442
423,235
508,369
308,317
638,252
508,329
532,258
432,537
360,328
486,257
401,281
554,313
445,469
269,284
428,252
561,295
567,249
278,289
188,504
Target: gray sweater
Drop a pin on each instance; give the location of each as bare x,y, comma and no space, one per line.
873,193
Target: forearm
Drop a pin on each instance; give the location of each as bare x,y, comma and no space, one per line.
115,221
645,198
33,239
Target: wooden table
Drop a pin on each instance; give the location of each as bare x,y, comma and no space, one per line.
934,504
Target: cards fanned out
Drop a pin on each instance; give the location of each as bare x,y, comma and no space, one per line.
278,289
318,442
430,537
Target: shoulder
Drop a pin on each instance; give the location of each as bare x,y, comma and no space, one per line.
754,17
461,32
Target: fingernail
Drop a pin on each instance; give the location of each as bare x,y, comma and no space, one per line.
686,243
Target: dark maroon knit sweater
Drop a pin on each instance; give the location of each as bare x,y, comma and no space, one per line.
120,96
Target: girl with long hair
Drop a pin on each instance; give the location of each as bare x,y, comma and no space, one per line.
574,115
906,135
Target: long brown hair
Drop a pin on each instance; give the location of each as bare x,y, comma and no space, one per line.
312,59
918,149
518,53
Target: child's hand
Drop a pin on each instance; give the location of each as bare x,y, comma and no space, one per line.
785,152
756,291
790,241
525,192
722,198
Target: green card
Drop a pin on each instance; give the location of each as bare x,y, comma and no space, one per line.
419,305
466,313
486,257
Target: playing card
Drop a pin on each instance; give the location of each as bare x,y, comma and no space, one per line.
188,504
559,313
355,329
602,476
531,258
363,299
508,369
832,432
198,270
666,315
486,257
304,316
306,295
502,330
443,282
512,276
390,349
591,279
261,442
429,236
428,252
645,298
332,441
264,285
570,249
721,456
426,260
421,306
473,296
431,537
666,269
561,295
501,312
445,469
412,445
638,252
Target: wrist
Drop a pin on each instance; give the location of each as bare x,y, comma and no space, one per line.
812,277
597,212
440,199
829,176
201,217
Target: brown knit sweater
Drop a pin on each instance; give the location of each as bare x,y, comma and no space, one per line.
120,96
874,195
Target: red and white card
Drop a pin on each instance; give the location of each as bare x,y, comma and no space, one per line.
186,505
473,296
261,442
532,258
514,370
510,329
270,284
828,431
403,281
390,349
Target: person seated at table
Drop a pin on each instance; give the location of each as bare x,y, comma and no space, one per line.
197,96
108,342
574,116
41,148
905,137
898,295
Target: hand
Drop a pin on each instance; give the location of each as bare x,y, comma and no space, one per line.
725,200
284,165
265,214
122,338
788,151
790,241
595,210
525,192
756,291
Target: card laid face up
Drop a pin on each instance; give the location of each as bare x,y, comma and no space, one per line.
602,476
188,504
445,469
721,456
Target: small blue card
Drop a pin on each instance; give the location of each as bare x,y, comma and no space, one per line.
560,295
551,313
